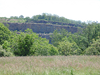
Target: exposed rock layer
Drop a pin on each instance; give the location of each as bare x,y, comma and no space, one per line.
40,28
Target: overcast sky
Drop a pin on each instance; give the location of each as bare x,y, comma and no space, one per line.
72,9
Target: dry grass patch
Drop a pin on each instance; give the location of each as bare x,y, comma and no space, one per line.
50,65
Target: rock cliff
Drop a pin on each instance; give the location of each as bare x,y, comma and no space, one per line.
40,27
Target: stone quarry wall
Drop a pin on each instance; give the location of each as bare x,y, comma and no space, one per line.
40,28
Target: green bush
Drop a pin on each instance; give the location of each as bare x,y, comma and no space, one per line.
4,33
7,54
24,43
53,51
29,43
4,53
68,48
5,45
94,48
42,47
92,51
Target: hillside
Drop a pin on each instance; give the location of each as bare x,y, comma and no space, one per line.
68,37
45,23
42,24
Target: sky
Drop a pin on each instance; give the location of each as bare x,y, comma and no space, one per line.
83,10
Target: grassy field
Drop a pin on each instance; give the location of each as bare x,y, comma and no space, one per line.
50,65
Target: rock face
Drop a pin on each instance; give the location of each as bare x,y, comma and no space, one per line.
40,28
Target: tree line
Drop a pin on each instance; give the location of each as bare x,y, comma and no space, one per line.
28,43
44,18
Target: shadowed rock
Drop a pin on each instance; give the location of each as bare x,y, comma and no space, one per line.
39,27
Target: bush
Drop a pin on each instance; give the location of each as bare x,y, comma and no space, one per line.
4,53
4,33
6,45
7,54
94,48
67,48
53,51
24,44
39,49
42,47
92,51
29,43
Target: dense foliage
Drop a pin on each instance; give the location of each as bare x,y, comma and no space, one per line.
26,43
4,33
94,48
3,52
68,48
85,42
44,18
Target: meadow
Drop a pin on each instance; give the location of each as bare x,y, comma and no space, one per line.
50,65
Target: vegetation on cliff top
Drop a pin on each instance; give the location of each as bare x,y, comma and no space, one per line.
44,18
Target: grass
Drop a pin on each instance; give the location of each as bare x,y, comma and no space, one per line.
50,65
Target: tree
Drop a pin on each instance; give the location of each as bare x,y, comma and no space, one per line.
13,17
44,16
57,36
24,44
27,19
53,50
4,33
29,43
92,31
67,48
94,48
3,52
21,16
43,48
81,41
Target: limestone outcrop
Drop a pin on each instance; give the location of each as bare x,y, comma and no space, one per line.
40,27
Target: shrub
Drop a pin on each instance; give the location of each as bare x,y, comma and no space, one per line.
53,51
4,33
24,43
7,54
67,48
94,48
4,53
42,47
92,51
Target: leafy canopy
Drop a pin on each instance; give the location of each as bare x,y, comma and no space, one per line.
4,33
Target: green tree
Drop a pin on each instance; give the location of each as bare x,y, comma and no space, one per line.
6,46
24,44
29,43
3,52
67,48
27,19
4,33
21,16
94,48
42,47
53,50
57,36
81,41
92,31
